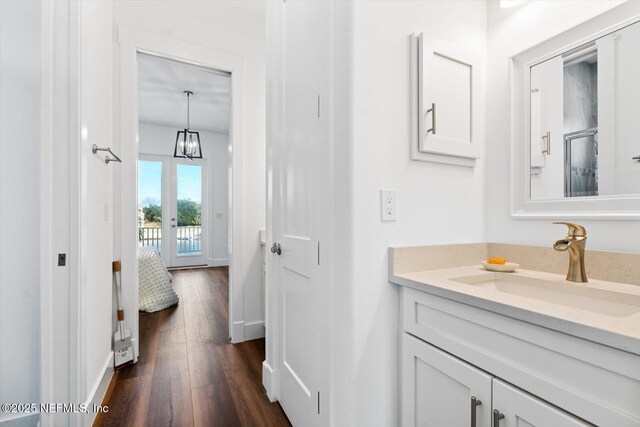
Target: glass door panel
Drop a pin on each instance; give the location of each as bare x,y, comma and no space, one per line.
188,222
150,204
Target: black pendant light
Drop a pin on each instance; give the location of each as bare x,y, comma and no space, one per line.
188,142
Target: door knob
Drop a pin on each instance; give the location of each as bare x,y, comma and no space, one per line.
275,249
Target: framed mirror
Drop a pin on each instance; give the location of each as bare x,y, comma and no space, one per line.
576,121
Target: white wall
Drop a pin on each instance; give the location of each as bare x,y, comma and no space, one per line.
436,203
231,26
160,140
510,32
19,204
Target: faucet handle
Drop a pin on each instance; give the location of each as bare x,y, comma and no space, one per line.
575,230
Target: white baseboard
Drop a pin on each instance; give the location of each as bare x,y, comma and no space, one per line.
19,420
218,262
96,394
241,331
253,330
237,332
269,379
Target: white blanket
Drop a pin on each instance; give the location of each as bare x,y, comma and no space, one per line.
156,292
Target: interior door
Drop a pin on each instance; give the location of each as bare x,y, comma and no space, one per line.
188,219
297,208
442,390
516,408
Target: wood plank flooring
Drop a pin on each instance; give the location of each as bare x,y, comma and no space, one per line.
188,373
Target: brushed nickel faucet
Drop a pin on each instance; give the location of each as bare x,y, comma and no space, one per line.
575,242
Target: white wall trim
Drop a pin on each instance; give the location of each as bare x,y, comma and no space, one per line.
253,330
131,42
46,205
99,389
19,419
269,379
237,331
218,262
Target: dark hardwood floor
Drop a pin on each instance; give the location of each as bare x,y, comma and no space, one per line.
188,373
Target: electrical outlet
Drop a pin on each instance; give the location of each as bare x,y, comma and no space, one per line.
388,205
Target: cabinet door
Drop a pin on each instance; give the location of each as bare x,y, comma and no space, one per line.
448,100
520,409
437,388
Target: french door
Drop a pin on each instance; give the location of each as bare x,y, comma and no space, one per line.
172,208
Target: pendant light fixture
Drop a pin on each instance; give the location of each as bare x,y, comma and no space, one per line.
188,142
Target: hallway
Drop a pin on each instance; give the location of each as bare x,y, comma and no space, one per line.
188,373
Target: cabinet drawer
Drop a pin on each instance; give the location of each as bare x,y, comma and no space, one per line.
520,408
597,383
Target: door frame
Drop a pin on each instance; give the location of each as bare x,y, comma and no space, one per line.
130,42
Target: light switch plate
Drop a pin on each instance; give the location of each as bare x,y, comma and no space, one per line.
388,208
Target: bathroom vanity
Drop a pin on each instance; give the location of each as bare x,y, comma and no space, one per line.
484,349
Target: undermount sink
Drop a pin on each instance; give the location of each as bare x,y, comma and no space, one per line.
576,296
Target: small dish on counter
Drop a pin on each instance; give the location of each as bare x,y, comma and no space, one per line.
507,267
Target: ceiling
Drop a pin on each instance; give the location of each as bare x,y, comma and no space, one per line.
161,83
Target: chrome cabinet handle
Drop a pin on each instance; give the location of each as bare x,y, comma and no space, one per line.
432,110
474,403
275,249
497,416
547,139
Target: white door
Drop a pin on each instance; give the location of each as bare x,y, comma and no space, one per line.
172,201
188,219
516,408
441,390
299,168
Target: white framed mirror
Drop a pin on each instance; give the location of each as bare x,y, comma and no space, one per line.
576,121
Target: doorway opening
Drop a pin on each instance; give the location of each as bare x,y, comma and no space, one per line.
183,202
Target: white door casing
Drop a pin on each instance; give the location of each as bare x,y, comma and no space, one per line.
130,43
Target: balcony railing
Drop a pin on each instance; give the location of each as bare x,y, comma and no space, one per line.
187,238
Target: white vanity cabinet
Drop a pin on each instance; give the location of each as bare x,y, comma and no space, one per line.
452,352
439,389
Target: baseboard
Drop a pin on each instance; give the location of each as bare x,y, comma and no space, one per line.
253,330
269,380
99,389
237,332
19,420
218,262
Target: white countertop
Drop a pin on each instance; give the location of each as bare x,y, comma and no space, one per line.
618,332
